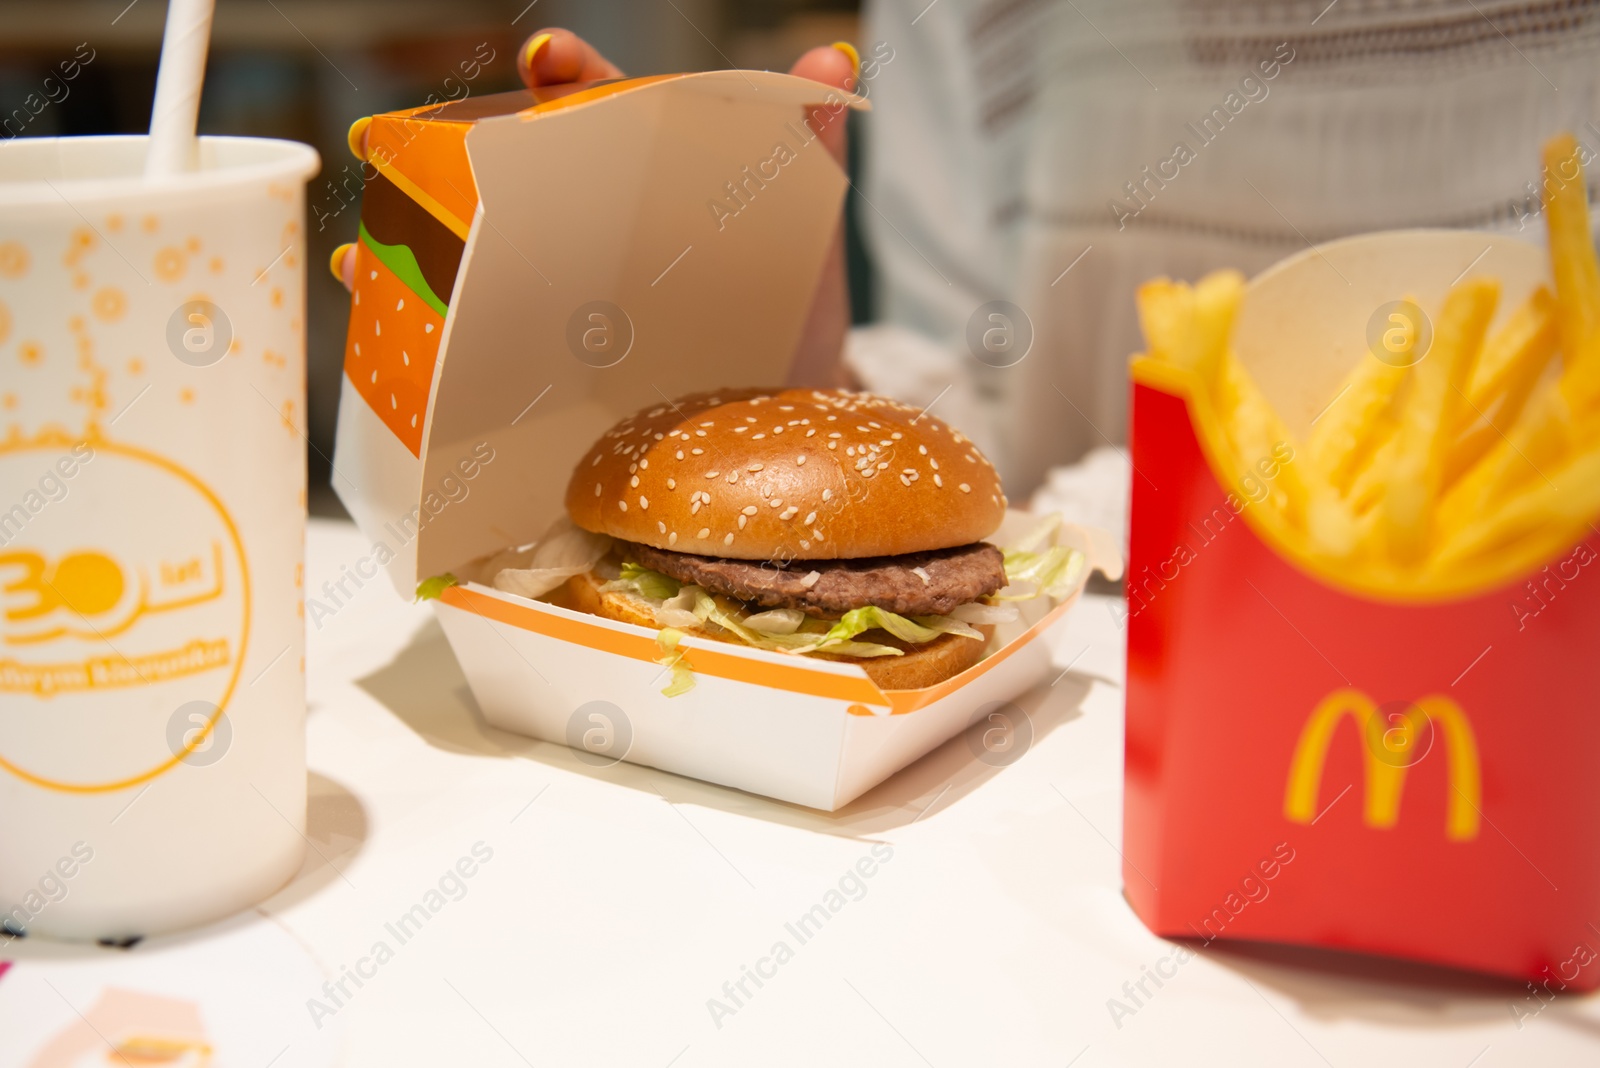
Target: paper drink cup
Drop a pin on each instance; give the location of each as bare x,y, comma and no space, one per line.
152,515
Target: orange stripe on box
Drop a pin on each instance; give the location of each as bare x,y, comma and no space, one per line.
641,646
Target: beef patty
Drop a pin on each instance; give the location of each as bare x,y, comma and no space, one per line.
953,577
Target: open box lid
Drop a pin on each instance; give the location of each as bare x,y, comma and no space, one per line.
531,268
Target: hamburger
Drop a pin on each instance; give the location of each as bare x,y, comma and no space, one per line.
820,523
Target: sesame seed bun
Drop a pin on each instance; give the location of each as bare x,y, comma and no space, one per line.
920,665
786,474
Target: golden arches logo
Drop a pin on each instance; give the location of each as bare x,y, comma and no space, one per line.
1388,741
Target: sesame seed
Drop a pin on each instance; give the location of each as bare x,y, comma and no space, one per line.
937,481
749,509
679,454
713,474
740,429
632,468
812,432
801,460
672,483
904,480
965,488
757,437
933,463
643,503
622,505
643,464
811,517
705,532
896,435
835,434
742,522
883,464
729,539
749,418
661,528
672,539
833,444
923,449
785,407
597,489
595,462
694,508
708,424
805,544
755,467
634,481
776,502
827,494
733,477
697,452
789,513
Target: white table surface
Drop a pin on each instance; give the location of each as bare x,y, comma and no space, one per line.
618,901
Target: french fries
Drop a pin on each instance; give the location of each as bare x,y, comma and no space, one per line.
1509,368
1438,382
1474,450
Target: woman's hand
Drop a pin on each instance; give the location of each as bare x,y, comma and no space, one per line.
560,57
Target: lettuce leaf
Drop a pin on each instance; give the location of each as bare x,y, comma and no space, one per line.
651,585
682,674
1036,560
429,589
1055,572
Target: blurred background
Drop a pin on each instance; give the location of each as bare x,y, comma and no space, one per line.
306,69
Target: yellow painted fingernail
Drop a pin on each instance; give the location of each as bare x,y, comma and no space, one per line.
855,57
336,261
535,46
356,138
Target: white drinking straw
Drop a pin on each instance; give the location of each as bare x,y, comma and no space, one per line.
177,105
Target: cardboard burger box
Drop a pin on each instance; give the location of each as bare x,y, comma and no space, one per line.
532,267
1261,800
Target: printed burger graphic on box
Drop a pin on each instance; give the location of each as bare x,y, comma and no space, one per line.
507,308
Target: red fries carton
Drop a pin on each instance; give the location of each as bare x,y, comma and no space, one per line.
1262,801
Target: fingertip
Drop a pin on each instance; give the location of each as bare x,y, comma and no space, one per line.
850,53
343,264
830,65
537,45
356,137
